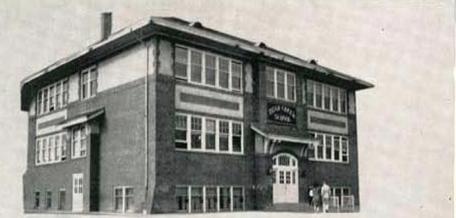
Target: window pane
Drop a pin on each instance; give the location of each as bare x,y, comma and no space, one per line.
337,148
224,73
238,199
280,84
196,60
211,199
210,69
270,82
197,199
180,133
328,147
318,95
320,146
181,62
223,135
37,200
327,98
344,150
65,92
236,72
182,199
291,87
335,99
196,132
225,201
93,81
210,134
310,93
237,137
343,98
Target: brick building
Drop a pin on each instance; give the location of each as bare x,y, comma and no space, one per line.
171,116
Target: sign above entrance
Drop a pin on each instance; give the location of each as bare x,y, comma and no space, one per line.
281,113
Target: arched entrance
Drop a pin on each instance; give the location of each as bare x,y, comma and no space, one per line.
285,178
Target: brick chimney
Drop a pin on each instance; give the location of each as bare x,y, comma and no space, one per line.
106,25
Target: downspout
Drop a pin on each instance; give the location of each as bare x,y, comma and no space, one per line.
146,119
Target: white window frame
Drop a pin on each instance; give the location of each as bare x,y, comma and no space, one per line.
90,93
217,71
286,74
40,100
76,151
333,160
341,188
204,206
124,198
324,86
45,154
217,135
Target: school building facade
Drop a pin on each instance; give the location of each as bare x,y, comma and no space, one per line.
170,116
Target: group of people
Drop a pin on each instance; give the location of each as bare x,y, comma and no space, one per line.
320,196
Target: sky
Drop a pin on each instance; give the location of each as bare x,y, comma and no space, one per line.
406,48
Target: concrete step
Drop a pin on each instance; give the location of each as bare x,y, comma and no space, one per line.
291,207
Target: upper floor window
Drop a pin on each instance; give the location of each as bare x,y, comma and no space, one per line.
89,84
79,141
326,97
330,147
280,84
52,97
51,149
198,133
208,69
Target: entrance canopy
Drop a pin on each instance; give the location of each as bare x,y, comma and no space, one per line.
270,140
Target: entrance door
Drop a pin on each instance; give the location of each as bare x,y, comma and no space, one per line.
285,182
77,192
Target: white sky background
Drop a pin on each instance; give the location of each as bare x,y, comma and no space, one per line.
405,124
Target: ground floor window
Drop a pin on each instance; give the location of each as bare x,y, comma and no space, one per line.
123,199
62,199
194,199
340,193
48,199
36,203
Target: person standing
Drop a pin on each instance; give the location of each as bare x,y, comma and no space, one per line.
316,198
325,194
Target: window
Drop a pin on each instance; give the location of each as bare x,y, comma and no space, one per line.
64,147
181,131
225,199
280,84
270,82
211,199
208,69
238,198
51,98
39,102
58,95
45,101
224,132
237,137
123,199
320,146
344,150
181,62
197,199
332,148
291,86
88,87
340,192
50,150
310,92
36,204
335,99
196,66
64,92
236,75
224,73
328,147
62,199
182,199
207,134
37,152
48,199
326,97
211,70
196,132
210,134
79,141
